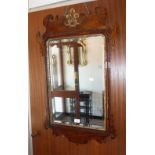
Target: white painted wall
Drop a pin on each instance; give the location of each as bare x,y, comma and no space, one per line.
91,77
36,5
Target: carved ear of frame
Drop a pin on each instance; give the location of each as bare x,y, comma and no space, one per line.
41,42
82,54
113,36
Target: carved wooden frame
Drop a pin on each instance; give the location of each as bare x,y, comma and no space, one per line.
75,24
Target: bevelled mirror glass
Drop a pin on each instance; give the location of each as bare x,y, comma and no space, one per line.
77,81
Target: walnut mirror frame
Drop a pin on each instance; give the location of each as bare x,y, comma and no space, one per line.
78,25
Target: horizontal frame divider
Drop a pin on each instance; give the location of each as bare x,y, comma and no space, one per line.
64,94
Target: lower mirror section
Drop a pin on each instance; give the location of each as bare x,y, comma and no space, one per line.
63,112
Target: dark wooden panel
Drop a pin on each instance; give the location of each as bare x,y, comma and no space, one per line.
64,93
46,143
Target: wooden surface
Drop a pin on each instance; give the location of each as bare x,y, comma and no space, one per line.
48,144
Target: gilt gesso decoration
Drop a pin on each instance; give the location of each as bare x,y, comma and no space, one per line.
72,18
82,54
74,26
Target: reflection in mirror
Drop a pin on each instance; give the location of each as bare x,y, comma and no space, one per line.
91,78
77,76
55,67
63,110
68,70
59,69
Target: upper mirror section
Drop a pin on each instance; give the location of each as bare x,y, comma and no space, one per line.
76,76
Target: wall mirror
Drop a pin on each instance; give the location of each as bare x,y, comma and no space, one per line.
76,48
76,73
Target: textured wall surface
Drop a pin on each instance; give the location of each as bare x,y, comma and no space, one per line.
47,143
42,4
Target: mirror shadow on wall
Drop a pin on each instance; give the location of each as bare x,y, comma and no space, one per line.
90,86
